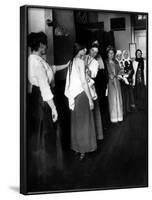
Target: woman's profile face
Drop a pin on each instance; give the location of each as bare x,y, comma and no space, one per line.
126,55
93,52
139,54
111,54
43,49
82,52
119,56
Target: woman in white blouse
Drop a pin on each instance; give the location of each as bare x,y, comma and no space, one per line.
41,81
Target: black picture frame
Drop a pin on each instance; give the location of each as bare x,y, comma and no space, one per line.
23,99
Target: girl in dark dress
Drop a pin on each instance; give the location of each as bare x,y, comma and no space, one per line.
139,79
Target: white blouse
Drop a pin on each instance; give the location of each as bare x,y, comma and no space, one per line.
40,74
73,85
93,66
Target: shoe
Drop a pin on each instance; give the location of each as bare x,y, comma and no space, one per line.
82,156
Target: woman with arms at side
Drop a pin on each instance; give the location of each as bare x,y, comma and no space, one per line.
92,66
139,80
83,133
114,90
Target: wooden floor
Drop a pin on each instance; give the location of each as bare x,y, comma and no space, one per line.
120,160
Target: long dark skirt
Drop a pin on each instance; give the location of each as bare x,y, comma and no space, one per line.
131,96
41,119
140,96
127,98
41,136
83,131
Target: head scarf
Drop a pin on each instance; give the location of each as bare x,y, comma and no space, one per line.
125,59
119,61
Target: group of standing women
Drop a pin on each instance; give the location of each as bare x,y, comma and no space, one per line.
82,91
125,91
131,80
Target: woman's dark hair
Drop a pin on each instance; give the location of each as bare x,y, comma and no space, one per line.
77,47
34,40
137,51
93,45
95,42
110,48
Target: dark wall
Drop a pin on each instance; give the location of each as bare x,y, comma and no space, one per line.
63,45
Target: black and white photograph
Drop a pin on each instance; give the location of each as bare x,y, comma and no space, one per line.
84,99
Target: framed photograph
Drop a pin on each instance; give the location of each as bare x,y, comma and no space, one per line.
84,105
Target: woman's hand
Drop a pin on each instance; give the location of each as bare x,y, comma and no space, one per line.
68,63
91,104
54,115
119,77
89,73
111,76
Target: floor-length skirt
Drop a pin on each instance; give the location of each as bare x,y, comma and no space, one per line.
127,98
140,95
115,101
83,131
41,136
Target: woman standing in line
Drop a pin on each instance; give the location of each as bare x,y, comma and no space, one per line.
123,82
83,132
114,90
119,58
139,79
128,71
92,66
101,81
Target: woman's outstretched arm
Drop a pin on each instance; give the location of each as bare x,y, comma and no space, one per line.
61,67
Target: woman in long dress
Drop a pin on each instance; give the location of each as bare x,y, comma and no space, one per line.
139,80
114,90
92,66
83,131
41,105
101,81
122,80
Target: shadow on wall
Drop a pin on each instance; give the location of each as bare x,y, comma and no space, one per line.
63,45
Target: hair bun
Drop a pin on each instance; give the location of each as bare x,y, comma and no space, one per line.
30,39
